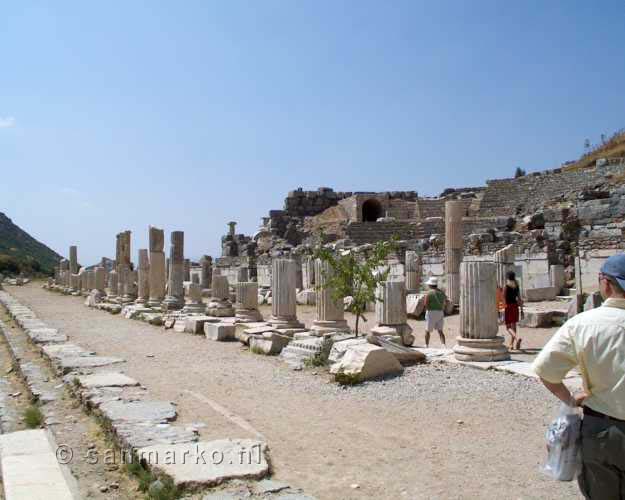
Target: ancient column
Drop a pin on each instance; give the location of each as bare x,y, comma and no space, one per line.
246,305
143,277
557,277
308,273
157,276
454,247
504,259
242,274
413,272
330,315
283,302
219,303
390,312
175,283
232,228
100,277
207,271
187,269
478,340
73,259
64,276
194,303
113,286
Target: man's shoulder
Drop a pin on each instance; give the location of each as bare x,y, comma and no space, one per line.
598,314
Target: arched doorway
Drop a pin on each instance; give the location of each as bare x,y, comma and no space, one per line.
371,210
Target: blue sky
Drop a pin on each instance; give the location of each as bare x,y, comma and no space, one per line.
185,115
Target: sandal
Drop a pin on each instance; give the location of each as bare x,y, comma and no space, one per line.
518,344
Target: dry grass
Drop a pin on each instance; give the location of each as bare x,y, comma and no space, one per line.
614,147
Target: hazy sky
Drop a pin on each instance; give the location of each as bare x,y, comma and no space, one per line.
185,115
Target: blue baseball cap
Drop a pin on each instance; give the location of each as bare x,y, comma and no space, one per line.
615,267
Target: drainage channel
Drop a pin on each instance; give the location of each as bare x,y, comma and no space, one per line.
30,390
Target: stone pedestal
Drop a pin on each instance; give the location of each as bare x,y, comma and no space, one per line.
157,274
243,274
246,305
194,303
454,247
175,283
390,312
504,260
143,277
283,299
478,340
330,315
219,303
413,272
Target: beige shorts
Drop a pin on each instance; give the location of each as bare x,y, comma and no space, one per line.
434,320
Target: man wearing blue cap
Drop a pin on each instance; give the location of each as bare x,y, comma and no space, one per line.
595,342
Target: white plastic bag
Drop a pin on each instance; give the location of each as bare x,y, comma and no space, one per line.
563,445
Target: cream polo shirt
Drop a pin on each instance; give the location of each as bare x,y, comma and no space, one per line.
595,341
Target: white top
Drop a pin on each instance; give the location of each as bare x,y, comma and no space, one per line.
595,342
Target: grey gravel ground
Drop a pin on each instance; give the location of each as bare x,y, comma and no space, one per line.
438,431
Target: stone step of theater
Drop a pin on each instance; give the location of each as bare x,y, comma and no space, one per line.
371,232
527,194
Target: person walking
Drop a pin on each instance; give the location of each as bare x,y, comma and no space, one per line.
434,310
595,342
513,308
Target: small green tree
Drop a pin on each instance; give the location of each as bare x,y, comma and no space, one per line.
357,278
519,172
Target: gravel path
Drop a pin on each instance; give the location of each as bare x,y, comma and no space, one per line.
438,431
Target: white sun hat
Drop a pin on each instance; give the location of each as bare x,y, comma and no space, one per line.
432,281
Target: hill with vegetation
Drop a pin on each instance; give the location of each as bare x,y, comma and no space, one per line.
613,147
20,252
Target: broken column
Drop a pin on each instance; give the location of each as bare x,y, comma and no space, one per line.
219,303
157,276
113,286
64,272
478,340
194,303
330,313
175,283
207,271
143,277
390,312
246,305
504,259
187,269
100,279
557,277
283,302
73,267
125,281
413,272
454,247
308,295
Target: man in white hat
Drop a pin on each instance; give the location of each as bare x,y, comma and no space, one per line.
434,310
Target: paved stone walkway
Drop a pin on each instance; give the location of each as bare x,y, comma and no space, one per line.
394,439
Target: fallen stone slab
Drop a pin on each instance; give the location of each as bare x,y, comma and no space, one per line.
136,435
340,348
269,343
365,362
520,368
67,364
208,463
405,355
298,351
110,379
46,336
139,411
30,469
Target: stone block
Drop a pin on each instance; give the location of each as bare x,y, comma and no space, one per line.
365,362
537,319
195,464
541,294
306,298
219,331
195,324
269,343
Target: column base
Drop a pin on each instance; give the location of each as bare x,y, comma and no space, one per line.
320,327
403,331
172,303
481,349
281,322
248,315
154,302
194,308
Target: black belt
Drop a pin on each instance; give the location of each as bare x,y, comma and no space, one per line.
598,414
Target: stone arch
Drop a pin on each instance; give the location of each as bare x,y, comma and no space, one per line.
371,210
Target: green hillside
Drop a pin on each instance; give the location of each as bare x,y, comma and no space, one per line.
19,251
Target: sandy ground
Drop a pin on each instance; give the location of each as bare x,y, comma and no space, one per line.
438,431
